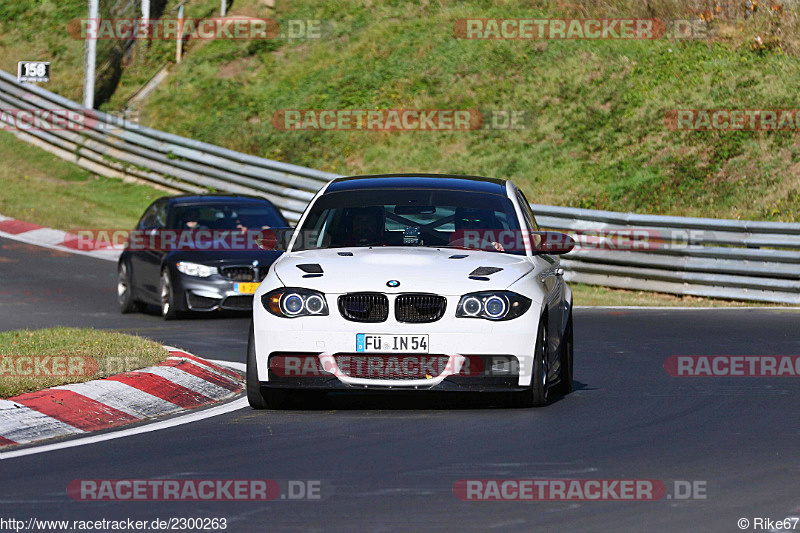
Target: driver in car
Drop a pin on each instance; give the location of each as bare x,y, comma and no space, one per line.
479,219
191,220
368,226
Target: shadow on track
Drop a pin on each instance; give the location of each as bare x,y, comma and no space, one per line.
408,400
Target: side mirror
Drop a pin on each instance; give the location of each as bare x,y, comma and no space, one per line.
274,238
552,242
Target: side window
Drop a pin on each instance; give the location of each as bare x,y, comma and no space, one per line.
530,220
527,212
161,214
148,219
154,217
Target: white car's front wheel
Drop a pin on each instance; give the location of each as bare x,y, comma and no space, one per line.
536,395
566,359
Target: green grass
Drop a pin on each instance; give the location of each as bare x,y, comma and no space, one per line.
37,30
148,58
69,355
596,108
42,188
597,140
590,295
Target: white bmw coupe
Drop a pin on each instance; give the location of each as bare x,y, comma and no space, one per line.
414,282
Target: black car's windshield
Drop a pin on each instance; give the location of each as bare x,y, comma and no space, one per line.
405,217
225,216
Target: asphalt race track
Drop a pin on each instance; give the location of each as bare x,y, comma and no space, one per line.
392,461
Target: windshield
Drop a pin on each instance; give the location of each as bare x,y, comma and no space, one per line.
402,217
225,216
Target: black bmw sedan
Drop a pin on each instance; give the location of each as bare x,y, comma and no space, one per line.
198,253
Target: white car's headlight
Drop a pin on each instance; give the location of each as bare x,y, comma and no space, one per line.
291,303
194,269
492,305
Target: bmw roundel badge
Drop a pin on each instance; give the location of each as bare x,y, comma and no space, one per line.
392,283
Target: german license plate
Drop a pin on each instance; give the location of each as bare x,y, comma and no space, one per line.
245,288
391,343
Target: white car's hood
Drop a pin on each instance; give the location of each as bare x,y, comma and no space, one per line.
417,269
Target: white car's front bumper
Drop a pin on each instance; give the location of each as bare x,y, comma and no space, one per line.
460,339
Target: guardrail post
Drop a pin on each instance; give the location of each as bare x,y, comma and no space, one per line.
179,49
90,57
145,23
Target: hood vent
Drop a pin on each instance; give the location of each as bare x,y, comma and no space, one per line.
346,254
485,271
310,268
458,256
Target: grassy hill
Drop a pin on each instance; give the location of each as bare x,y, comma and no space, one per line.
596,138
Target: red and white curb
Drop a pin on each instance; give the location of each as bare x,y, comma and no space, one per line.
56,239
183,381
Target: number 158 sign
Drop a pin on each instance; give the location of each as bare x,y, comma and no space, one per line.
35,71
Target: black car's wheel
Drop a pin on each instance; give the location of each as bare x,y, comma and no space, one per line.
127,304
257,397
565,356
536,395
168,309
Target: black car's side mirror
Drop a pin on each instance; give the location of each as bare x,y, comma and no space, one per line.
274,238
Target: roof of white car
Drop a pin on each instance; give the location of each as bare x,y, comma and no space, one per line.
419,181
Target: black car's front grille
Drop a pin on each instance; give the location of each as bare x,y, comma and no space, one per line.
240,273
419,308
243,302
201,303
364,307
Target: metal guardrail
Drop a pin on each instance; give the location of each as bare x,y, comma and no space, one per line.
745,260
735,259
119,148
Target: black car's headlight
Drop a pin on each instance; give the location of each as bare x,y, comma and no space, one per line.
290,303
195,269
492,305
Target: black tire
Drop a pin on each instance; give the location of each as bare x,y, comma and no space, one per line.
127,304
167,296
536,394
565,355
257,397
